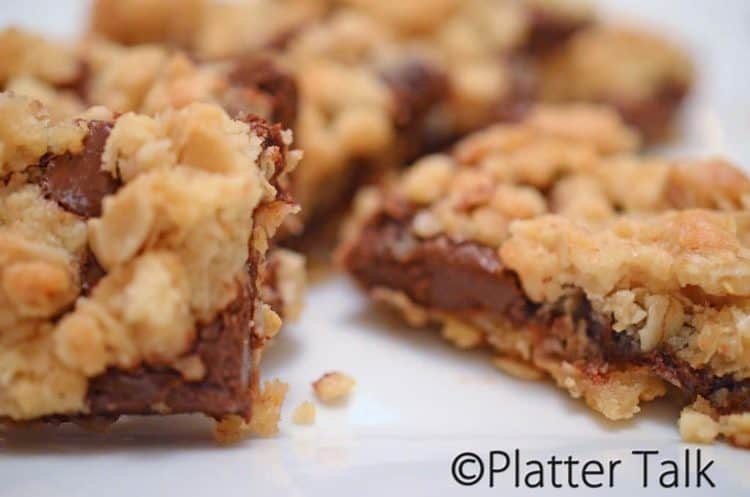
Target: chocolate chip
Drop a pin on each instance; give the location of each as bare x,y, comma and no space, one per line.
76,181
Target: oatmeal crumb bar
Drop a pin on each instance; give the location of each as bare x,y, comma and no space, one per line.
132,249
549,243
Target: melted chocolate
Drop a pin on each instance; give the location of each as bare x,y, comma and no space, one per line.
438,273
76,181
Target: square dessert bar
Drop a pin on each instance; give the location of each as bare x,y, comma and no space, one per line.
132,252
548,242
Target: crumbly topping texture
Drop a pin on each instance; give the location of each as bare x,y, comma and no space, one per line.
184,195
380,82
676,280
584,170
149,79
46,70
28,133
146,78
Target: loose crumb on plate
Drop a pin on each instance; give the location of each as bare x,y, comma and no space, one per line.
304,414
334,386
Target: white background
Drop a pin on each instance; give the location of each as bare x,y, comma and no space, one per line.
419,402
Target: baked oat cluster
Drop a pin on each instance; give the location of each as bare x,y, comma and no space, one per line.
572,257
132,248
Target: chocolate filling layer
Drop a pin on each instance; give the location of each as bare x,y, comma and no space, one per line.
466,278
438,273
224,347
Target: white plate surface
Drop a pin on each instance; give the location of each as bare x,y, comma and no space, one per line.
419,402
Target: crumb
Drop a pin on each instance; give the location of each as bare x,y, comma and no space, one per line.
265,419
304,414
231,429
697,427
332,387
267,409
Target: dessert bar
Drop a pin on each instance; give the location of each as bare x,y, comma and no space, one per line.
549,242
133,249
